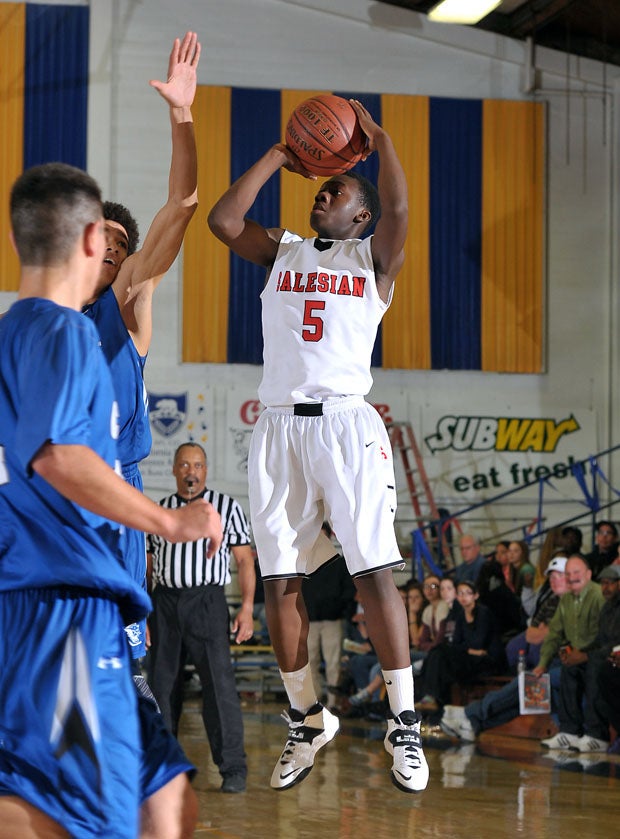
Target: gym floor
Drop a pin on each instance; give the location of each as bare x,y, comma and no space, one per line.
498,787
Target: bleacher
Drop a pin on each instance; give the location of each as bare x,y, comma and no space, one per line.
256,670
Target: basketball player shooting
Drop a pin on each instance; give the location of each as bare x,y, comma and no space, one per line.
319,450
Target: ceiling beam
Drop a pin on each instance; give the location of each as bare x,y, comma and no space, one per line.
533,15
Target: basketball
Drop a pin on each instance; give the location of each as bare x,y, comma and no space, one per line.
325,135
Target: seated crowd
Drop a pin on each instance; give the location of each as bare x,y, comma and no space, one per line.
562,616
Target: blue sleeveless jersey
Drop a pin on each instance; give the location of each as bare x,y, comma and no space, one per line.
134,441
127,368
55,386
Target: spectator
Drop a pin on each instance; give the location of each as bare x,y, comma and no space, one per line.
476,650
503,558
552,544
447,590
473,559
503,603
190,612
605,548
415,603
522,575
571,539
573,632
502,705
531,639
605,660
434,614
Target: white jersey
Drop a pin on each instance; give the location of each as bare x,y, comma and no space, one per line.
321,312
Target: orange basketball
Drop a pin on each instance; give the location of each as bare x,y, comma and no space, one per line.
324,133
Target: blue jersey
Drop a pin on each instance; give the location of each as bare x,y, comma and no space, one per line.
127,368
134,441
55,386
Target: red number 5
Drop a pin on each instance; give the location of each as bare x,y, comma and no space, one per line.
315,333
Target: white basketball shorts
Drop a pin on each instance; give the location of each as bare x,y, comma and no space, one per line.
303,470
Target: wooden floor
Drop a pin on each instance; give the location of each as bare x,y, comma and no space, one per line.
498,787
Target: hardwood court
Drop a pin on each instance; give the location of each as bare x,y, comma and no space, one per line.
498,787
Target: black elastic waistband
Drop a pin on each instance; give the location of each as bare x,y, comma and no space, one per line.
308,409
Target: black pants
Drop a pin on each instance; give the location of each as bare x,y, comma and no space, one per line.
445,665
578,682
197,620
609,687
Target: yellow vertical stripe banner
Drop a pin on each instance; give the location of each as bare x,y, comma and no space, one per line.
512,236
206,260
12,43
406,331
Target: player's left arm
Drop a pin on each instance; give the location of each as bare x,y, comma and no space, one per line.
243,624
142,271
391,231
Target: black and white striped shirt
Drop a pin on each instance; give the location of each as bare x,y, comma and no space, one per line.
185,564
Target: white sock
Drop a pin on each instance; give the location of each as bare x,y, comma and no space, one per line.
300,688
399,686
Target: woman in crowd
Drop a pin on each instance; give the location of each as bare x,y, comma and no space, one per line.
522,575
476,650
447,592
434,615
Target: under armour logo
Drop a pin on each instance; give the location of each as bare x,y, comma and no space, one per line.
112,663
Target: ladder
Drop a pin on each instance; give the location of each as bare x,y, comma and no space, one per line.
403,443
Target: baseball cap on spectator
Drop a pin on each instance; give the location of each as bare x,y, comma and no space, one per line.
558,563
611,572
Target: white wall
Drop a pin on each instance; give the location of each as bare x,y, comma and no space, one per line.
368,46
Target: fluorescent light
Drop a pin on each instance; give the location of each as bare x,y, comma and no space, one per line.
462,11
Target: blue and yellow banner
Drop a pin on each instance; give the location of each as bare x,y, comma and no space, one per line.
470,295
43,99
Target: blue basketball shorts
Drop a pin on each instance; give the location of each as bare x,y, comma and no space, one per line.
162,756
69,734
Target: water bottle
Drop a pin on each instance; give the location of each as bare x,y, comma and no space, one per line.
521,665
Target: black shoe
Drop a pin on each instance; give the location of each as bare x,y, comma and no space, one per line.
233,783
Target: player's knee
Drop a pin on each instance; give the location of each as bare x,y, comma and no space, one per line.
171,812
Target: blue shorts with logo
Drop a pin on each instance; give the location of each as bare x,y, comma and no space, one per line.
162,756
70,740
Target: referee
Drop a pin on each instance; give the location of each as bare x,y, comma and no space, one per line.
190,616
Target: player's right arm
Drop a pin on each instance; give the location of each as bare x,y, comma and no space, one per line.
388,241
228,218
79,474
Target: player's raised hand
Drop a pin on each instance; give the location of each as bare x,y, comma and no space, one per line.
367,124
293,163
180,89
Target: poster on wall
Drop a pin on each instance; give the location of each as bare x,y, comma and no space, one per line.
176,417
472,457
242,410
